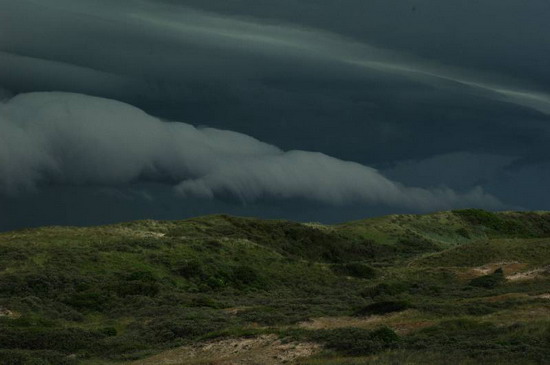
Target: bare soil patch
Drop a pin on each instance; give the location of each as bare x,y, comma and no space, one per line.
509,268
402,322
261,350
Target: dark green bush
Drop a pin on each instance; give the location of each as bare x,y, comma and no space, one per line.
389,288
177,323
525,225
137,283
383,308
488,281
481,340
205,301
357,341
244,275
59,339
90,300
478,309
21,357
463,232
190,269
109,331
121,347
415,245
355,269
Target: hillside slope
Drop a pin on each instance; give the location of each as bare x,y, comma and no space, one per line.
402,288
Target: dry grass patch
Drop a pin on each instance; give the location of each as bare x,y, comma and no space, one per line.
402,322
265,349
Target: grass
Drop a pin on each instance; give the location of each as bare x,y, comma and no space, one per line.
114,294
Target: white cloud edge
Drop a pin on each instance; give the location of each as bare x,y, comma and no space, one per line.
65,138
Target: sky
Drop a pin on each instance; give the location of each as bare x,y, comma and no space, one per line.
310,110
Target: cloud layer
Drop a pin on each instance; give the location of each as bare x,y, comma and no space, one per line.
134,42
63,138
446,97
260,69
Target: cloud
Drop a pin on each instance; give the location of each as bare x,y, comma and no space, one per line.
160,41
354,97
376,84
73,139
316,45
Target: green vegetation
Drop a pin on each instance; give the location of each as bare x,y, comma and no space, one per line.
357,341
399,289
489,281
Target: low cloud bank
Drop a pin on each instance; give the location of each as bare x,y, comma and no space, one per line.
74,139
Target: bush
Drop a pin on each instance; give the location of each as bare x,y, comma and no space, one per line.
415,245
244,275
502,225
488,281
383,308
59,339
189,269
387,288
357,270
20,357
478,309
109,331
481,340
357,341
137,283
94,300
186,324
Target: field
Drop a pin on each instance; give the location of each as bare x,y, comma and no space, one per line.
460,287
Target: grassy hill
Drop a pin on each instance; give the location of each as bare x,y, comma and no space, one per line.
461,287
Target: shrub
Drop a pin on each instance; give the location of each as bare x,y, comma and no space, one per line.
59,339
383,308
488,281
244,275
478,309
189,269
481,340
355,269
415,245
137,283
187,325
498,223
358,341
389,288
109,331
204,301
93,299
463,232
21,357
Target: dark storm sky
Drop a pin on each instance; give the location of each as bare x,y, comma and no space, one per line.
313,110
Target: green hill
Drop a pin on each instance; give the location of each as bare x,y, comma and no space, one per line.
469,285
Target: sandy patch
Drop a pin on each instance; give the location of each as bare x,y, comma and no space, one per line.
341,322
509,268
235,310
125,231
401,322
528,275
266,349
5,312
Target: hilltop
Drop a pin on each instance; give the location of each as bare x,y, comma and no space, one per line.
460,287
